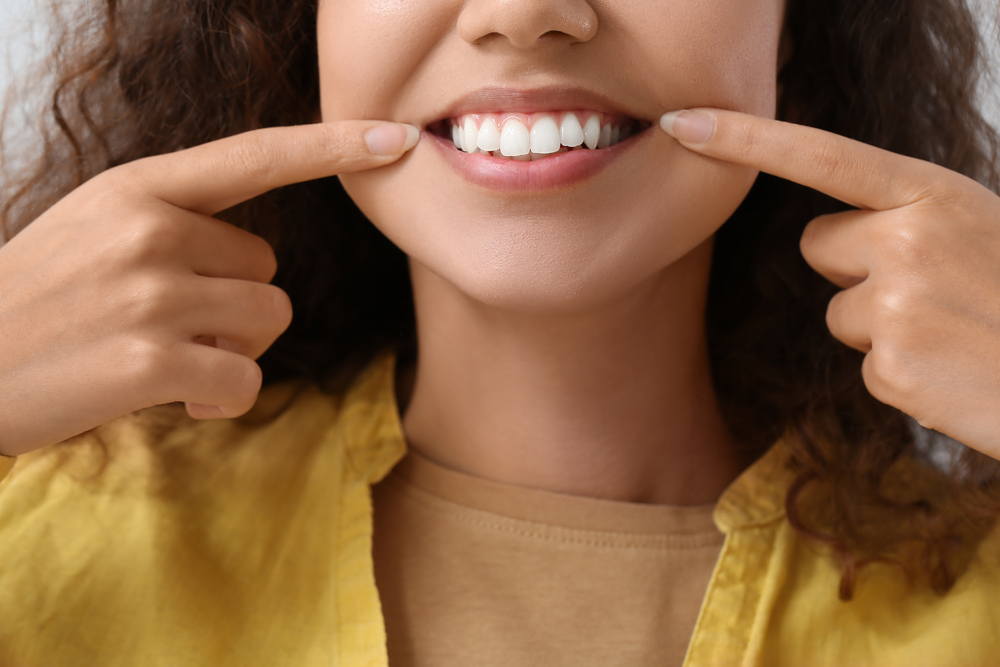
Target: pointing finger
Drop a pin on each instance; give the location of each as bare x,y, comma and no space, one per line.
217,175
855,173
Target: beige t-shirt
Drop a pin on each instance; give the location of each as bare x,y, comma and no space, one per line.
474,572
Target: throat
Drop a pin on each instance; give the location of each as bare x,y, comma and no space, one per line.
593,405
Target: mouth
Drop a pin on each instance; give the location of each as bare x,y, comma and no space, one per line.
529,137
543,139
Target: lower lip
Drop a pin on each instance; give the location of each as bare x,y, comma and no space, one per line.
551,173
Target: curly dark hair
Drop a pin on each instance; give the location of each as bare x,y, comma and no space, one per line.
134,78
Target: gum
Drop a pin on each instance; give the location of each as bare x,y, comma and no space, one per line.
528,119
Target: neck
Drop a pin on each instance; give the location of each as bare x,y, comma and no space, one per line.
614,401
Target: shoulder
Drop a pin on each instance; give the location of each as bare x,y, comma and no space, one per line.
894,617
140,451
162,533
159,450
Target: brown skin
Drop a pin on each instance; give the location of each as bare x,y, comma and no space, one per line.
906,78
919,298
562,342
563,348
126,294
917,264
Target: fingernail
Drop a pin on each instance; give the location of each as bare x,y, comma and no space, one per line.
392,138
690,127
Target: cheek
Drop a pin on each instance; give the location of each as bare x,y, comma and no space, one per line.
573,249
369,51
716,53
587,243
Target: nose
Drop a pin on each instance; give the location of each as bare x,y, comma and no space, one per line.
525,22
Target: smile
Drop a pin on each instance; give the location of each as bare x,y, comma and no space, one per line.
529,141
528,137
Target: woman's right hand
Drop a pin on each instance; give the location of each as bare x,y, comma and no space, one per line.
128,294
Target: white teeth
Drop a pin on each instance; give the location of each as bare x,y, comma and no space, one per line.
592,131
470,136
545,136
537,156
488,138
514,139
605,139
571,132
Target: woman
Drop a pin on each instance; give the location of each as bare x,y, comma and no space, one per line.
601,368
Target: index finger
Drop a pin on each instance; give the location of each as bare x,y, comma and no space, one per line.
218,175
853,172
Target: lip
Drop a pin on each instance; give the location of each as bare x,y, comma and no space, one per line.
512,176
535,100
551,173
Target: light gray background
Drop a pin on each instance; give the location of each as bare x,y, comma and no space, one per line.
21,39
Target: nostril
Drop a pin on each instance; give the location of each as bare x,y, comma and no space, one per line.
525,22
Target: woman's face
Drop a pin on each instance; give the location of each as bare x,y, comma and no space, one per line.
565,230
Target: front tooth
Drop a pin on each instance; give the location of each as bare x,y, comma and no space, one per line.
571,132
592,131
470,135
522,158
488,138
544,136
605,139
616,135
514,139
456,136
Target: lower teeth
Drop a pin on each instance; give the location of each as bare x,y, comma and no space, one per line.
530,156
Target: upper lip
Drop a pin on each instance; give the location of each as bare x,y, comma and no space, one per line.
491,100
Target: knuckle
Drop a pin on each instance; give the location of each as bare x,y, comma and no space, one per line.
334,141
909,244
281,307
948,189
244,382
748,142
811,235
834,313
254,158
150,235
896,313
267,258
273,309
889,376
147,300
148,365
829,157
110,189
118,180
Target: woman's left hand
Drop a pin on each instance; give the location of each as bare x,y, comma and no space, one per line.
919,264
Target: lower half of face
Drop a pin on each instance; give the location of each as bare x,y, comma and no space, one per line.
541,179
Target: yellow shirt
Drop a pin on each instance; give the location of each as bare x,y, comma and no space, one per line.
234,543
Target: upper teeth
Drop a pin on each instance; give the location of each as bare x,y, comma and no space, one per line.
527,137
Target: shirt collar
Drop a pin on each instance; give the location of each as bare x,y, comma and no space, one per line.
375,443
369,421
757,496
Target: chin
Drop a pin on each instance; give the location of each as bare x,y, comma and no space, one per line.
571,249
524,285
